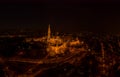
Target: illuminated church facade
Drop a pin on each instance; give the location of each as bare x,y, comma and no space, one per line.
57,44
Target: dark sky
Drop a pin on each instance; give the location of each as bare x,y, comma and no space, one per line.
66,16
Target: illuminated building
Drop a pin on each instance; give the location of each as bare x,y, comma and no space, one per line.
57,44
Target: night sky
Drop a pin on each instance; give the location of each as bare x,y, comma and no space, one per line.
64,16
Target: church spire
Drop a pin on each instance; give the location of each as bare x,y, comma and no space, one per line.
49,32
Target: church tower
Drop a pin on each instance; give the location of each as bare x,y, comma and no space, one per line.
49,33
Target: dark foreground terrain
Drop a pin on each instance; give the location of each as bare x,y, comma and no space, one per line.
21,59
